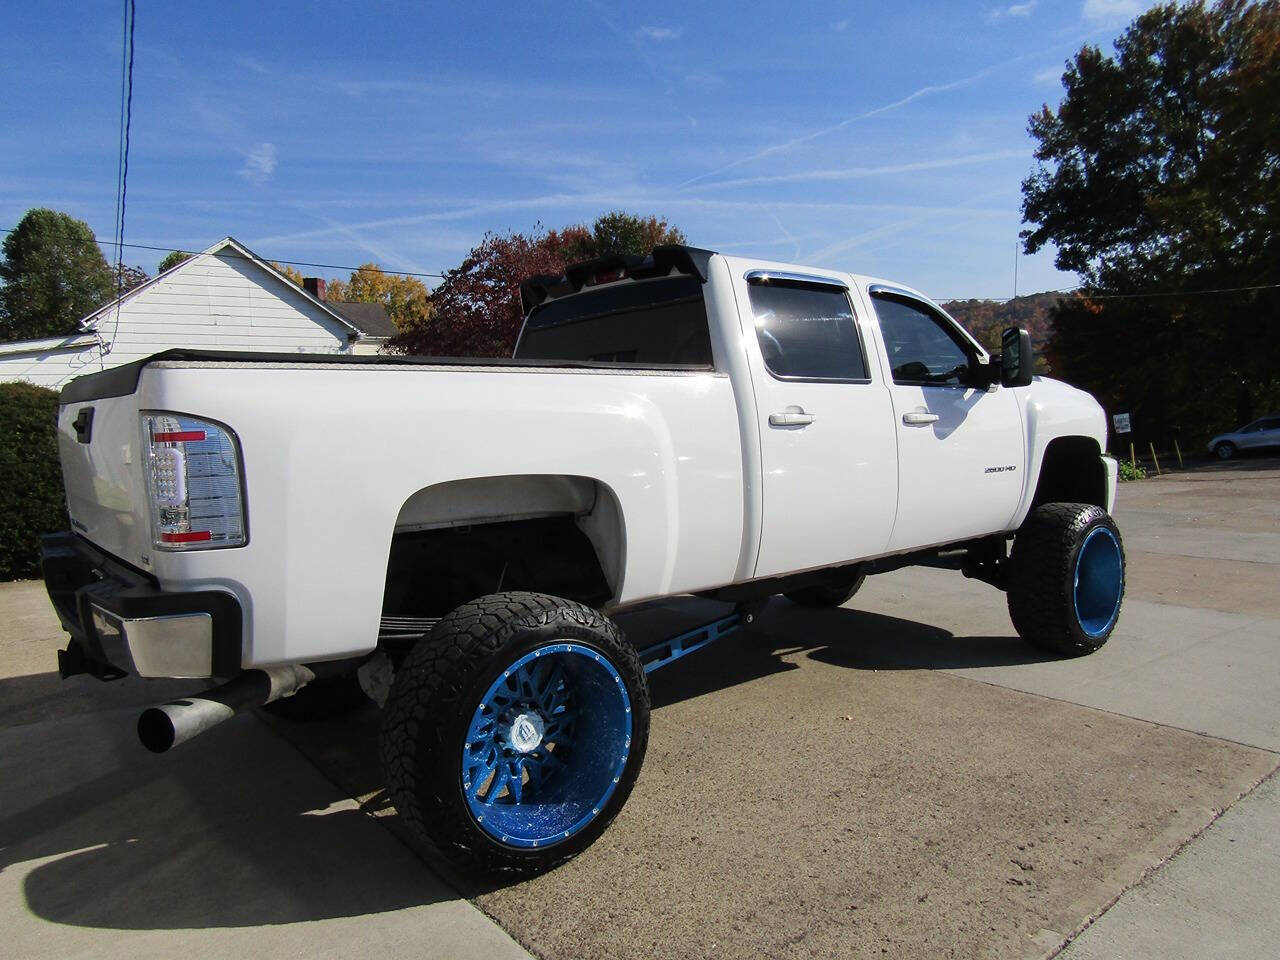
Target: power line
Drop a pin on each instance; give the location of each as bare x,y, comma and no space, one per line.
233,255
1176,293
1148,295
124,59
440,276
130,13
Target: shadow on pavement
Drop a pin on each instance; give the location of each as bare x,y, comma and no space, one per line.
230,830
212,834
842,637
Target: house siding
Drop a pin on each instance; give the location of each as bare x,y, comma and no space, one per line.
215,301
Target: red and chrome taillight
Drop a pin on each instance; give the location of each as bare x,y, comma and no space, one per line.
193,483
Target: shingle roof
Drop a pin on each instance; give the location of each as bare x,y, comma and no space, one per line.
369,318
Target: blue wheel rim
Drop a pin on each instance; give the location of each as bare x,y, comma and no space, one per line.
1099,582
547,746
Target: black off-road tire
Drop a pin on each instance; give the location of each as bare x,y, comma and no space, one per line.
1225,450
436,693
1043,567
325,699
827,594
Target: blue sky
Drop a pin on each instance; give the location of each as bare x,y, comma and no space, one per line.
887,139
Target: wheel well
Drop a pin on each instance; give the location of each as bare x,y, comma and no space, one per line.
459,540
1071,472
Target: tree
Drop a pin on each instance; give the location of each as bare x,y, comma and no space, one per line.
988,319
291,273
406,299
620,232
1157,174
127,277
476,310
54,274
172,259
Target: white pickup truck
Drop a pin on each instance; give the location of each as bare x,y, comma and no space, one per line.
450,536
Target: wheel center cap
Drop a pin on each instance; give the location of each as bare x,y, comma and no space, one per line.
527,730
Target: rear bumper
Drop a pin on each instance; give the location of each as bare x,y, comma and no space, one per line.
121,622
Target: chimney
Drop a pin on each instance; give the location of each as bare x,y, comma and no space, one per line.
314,286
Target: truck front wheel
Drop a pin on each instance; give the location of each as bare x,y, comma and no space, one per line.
515,731
1066,578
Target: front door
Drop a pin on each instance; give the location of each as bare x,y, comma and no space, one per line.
961,454
828,462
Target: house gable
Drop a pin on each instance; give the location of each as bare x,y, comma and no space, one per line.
225,298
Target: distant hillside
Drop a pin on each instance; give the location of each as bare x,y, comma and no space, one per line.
987,319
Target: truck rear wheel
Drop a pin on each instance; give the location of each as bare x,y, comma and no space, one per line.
1066,578
833,594
513,733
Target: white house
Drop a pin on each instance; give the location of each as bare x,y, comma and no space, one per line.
226,298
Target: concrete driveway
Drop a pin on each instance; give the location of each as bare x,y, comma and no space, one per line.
239,847
902,777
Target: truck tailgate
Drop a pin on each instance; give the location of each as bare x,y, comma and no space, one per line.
98,444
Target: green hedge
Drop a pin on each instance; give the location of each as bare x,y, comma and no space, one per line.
31,497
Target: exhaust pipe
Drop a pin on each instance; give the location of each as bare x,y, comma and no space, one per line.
164,727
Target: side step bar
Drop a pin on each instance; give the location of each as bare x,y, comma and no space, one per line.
661,654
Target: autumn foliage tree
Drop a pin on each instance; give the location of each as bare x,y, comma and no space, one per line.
289,271
127,277
406,299
476,309
1157,182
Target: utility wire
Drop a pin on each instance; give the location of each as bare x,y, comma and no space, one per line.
439,276
130,13
234,255
124,60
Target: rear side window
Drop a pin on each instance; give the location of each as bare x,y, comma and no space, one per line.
658,323
807,332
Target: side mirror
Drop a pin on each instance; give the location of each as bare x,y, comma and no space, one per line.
1016,360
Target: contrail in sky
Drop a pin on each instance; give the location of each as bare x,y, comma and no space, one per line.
909,98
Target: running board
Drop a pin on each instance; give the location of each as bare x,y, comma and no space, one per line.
653,657
669,651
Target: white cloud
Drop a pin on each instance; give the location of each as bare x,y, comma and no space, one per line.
1022,10
259,164
842,26
1048,77
1111,9
659,33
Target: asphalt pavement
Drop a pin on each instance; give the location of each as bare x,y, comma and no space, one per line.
902,777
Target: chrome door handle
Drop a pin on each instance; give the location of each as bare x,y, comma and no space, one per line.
918,419
791,419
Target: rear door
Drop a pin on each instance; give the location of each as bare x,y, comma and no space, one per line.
828,459
961,453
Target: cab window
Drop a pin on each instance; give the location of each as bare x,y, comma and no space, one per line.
923,348
807,331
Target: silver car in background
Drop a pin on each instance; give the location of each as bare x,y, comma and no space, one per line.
1263,432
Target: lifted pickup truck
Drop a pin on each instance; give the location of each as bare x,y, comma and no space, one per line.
450,536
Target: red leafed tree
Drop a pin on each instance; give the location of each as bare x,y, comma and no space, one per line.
475,311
